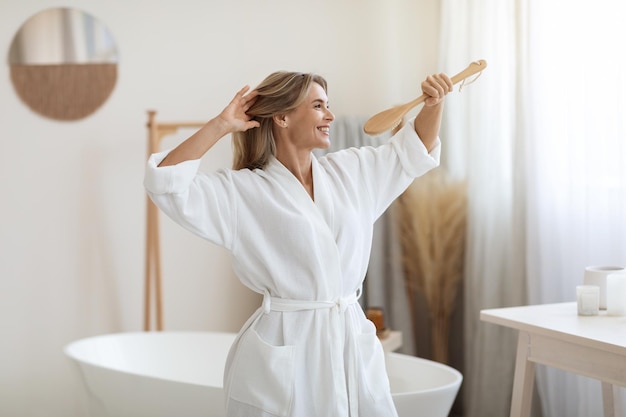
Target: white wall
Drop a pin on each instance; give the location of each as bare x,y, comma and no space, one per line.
72,202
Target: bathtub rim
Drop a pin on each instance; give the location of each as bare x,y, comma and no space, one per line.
68,350
453,385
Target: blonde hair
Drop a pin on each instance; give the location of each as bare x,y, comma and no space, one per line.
279,93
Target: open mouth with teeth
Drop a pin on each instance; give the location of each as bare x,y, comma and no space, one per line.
324,129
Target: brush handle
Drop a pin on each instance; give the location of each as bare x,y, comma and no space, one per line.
390,118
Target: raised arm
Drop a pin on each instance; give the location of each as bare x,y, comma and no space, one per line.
428,120
232,119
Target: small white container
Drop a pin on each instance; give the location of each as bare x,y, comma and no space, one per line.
588,299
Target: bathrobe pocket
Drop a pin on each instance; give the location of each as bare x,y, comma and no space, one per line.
264,375
372,365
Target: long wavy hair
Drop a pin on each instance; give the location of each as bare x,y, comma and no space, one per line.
279,93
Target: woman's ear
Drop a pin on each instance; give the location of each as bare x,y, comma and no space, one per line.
280,120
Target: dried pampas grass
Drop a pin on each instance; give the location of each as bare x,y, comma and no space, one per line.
432,220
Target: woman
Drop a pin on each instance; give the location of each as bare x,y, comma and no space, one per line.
300,232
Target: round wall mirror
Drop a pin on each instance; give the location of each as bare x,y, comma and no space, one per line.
63,63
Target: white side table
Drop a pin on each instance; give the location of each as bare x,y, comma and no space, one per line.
554,335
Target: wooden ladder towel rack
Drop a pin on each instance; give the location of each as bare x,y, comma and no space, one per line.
156,133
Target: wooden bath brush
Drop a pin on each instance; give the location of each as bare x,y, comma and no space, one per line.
390,118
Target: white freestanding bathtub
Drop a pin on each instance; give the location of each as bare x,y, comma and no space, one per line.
165,374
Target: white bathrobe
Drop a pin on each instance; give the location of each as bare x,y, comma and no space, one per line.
308,351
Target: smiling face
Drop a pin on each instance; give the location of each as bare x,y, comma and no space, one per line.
308,125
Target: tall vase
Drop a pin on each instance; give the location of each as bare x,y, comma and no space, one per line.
440,337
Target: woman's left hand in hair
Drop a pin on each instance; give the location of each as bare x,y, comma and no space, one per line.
436,87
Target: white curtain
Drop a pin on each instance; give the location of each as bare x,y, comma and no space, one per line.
480,131
576,165
541,138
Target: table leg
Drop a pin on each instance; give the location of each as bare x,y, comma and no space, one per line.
524,380
611,403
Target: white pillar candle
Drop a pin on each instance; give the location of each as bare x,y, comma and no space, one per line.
616,294
588,298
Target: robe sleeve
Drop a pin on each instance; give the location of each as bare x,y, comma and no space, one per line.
202,203
413,155
380,174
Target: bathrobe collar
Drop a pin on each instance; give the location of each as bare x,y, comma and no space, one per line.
321,204
321,215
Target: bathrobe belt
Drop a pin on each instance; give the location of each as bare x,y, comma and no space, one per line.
345,381
283,304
